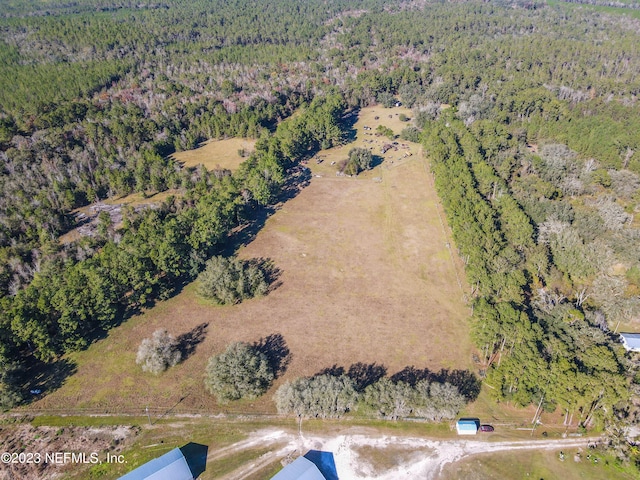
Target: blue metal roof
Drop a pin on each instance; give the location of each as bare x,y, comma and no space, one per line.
300,469
170,466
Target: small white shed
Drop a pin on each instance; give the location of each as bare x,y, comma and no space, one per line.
466,427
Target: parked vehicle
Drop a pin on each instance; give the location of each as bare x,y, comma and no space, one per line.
486,428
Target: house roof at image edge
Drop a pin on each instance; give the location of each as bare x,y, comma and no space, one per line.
170,466
631,341
300,469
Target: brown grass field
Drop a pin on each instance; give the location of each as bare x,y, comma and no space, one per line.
216,154
367,276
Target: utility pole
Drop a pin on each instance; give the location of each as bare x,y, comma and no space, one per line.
148,415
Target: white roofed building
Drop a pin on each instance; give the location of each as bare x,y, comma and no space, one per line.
631,341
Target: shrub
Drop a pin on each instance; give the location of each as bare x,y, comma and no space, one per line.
240,372
231,280
438,401
433,401
386,99
158,353
386,131
332,393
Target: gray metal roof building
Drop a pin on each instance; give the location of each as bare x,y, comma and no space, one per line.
300,469
170,466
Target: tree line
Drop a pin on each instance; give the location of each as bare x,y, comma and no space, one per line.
538,347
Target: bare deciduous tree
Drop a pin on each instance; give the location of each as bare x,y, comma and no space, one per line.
612,214
158,353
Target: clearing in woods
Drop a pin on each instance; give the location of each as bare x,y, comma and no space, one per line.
368,274
216,154
213,154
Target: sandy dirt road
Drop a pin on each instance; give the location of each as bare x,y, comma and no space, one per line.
422,458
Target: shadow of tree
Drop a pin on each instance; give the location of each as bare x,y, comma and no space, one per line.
270,271
275,348
244,234
170,411
468,384
348,123
46,378
466,381
365,374
334,371
376,160
187,342
254,216
362,374
411,375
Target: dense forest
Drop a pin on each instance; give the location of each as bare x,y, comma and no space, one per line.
528,112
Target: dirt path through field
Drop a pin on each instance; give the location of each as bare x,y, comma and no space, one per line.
422,459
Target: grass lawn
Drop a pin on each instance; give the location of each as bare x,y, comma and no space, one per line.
537,465
388,117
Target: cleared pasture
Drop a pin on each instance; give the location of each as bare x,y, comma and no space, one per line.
216,154
364,136
368,275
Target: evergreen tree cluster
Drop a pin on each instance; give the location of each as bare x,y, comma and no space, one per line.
241,372
227,281
537,347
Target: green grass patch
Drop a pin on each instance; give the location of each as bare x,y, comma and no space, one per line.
266,472
226,465
540,465
383,427
86,421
